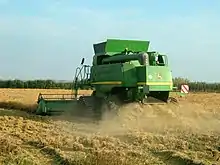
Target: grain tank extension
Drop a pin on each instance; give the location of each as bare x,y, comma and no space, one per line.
123,71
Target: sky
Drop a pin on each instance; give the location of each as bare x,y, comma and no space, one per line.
46,39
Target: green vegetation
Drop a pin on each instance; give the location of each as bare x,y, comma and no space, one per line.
197,86
50,84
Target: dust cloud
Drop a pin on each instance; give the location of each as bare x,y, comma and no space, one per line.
154,119
166,134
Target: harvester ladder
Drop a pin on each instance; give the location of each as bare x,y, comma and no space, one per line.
82,77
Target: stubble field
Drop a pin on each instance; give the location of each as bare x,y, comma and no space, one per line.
167,135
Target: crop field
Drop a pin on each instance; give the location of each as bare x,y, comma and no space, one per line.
187,133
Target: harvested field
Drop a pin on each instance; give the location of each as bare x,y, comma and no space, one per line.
26,99
168,135
29,96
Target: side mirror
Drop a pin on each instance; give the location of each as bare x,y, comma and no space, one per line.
83,60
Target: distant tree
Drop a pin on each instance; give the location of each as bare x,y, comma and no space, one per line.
50,84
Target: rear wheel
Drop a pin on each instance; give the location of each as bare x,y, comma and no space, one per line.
110,107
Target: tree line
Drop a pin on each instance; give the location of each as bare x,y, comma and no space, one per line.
50,84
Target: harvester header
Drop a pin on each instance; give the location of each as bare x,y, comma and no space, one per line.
114,46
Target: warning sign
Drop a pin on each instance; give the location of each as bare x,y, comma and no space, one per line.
184,89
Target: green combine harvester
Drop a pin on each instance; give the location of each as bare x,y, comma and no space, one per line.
122,71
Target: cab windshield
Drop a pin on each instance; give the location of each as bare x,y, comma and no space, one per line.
157,60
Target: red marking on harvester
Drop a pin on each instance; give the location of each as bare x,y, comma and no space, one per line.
184,88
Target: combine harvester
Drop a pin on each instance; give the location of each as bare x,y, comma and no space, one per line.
122,71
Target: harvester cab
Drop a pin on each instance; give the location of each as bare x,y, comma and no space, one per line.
122,71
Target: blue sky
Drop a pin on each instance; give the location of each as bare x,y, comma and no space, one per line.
48,38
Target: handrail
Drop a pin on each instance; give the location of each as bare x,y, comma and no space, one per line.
56,96
82,76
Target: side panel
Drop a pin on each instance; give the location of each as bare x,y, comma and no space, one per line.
104,77
130,75
141,75
159,78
